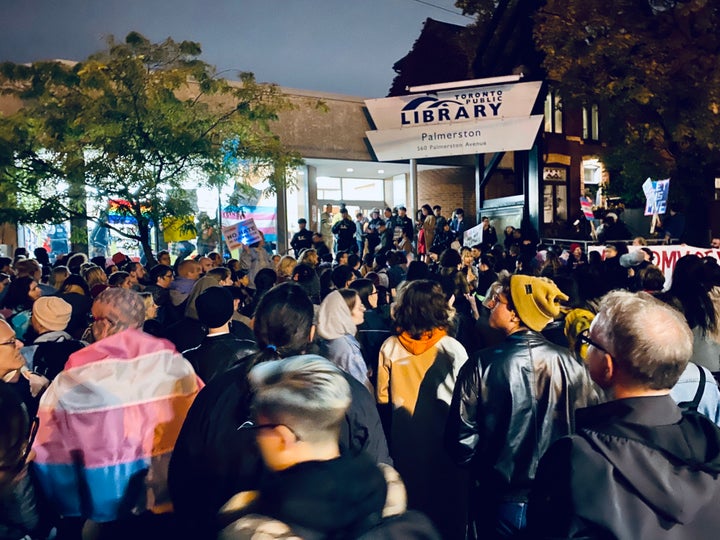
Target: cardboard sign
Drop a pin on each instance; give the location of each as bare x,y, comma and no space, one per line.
473,236
243,232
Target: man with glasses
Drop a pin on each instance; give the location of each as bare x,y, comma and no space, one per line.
10,358
109,422
299,404
637,467
511,401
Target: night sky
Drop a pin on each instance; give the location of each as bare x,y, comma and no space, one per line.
342,46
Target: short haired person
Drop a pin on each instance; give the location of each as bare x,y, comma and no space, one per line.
219,350
344,231
161,278
636,467
313,490
109,420
302,239
188,272
511,401
212,459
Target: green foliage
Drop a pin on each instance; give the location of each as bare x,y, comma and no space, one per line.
653,69
133,121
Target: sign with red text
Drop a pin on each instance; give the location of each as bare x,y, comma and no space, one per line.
667,256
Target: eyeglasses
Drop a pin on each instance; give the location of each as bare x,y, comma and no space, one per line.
250,425
583,338
11,341
492,301
20,463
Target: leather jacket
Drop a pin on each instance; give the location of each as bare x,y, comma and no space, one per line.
217,354
510,403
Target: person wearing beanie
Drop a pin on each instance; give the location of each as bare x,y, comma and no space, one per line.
49,351
513,400
219,350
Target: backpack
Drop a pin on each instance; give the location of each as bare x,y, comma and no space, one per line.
692,406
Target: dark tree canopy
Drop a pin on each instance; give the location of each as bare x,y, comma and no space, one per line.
131,122
653,69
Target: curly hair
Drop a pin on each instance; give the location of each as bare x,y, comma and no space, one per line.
422,307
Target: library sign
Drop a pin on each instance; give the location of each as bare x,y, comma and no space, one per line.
478,120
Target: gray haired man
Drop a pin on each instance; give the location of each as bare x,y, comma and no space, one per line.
637,467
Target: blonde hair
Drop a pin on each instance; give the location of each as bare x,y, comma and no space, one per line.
286,266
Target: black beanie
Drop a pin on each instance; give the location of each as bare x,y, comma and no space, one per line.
214,307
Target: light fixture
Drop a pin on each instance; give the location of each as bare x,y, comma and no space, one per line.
349,169
381,171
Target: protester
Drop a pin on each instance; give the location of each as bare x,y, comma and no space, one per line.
21,512
220,350
130,393
636,467
212,459
313,490
340,313
512,401
416,376
20,296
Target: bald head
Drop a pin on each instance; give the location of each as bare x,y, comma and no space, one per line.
115,310
189,269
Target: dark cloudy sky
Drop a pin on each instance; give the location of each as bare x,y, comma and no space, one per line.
343,46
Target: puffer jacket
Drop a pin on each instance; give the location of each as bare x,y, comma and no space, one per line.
509,404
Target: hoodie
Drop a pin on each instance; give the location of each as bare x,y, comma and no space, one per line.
332,498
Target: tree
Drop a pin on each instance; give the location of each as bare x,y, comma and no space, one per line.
652,67
131,123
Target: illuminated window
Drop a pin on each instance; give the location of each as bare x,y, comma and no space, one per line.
553,113
591,128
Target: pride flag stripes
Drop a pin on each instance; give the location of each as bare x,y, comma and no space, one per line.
108,424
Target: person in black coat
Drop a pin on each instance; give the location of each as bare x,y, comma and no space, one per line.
212,459
220,350
301,239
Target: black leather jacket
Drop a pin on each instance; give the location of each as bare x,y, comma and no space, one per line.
218,354
510,402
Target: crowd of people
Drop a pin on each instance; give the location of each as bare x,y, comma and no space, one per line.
387,381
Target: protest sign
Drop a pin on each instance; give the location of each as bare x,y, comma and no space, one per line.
586,205
243,232
657,197
473,236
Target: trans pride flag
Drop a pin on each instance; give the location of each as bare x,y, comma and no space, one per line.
108,425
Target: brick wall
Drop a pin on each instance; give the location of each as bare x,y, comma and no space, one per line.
450,188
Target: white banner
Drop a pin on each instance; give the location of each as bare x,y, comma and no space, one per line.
454,106
455,140
666,256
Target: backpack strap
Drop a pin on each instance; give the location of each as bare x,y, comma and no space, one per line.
695,403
